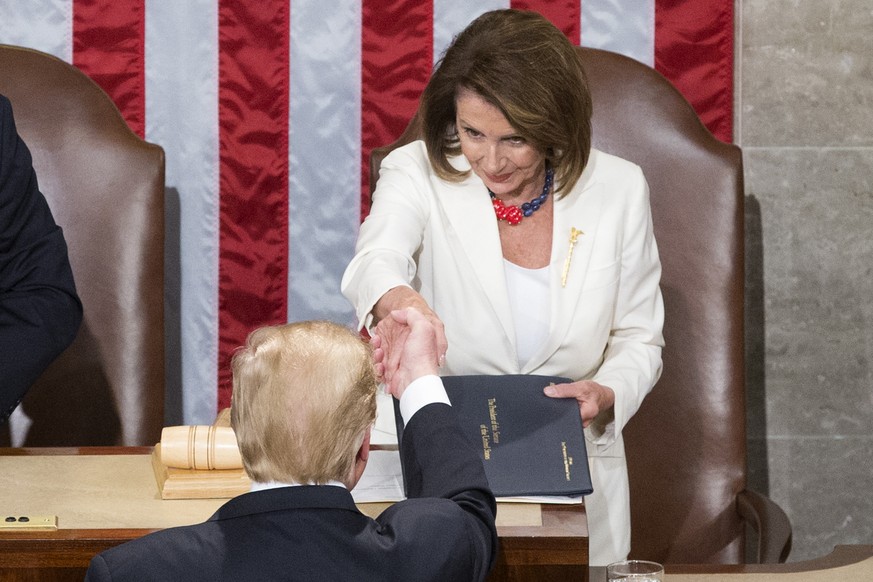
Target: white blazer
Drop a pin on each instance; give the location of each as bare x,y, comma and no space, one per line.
441,239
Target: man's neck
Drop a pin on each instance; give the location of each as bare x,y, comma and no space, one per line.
257,486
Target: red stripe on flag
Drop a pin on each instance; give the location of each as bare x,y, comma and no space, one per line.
396,63
565,14
109,47
253,98
694,48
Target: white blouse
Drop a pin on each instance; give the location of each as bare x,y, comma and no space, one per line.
530,304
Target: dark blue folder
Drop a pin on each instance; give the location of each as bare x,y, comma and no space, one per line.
530,444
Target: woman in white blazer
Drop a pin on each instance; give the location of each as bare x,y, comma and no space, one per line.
566,285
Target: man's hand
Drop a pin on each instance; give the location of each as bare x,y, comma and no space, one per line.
416,355
591,396
392,337
393,334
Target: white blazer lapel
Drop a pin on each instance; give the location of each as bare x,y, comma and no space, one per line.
470,215
578,212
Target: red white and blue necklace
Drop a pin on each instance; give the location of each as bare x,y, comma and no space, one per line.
514,214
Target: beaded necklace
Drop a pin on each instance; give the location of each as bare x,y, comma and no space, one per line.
514,214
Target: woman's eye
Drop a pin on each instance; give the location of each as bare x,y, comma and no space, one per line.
516,140
472,132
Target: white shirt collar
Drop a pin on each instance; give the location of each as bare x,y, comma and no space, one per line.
276,484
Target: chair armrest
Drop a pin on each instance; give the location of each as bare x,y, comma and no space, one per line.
770,523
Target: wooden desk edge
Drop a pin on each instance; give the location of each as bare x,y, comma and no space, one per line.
46,451
843,555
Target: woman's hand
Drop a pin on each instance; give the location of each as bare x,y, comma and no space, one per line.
394,334
591,396
378,357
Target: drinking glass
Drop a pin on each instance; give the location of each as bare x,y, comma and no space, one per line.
635,571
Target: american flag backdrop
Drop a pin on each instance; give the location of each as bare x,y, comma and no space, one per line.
268,109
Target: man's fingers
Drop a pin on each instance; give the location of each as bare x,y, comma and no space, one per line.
414,318
442,344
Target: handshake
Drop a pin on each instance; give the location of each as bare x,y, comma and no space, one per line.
406,346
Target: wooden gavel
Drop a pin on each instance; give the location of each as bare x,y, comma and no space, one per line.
201,447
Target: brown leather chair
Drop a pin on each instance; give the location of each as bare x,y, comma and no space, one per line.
105,187
686,446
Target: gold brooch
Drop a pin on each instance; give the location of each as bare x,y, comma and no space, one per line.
574,236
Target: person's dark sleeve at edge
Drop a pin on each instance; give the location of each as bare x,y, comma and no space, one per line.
442,439
40,311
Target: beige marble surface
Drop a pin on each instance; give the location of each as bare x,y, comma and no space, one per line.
121,492
94,492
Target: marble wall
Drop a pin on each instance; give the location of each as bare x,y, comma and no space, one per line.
804,118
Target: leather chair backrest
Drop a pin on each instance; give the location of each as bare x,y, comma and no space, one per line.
686,446
105,187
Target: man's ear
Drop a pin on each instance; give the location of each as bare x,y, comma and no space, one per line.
364,450
361,458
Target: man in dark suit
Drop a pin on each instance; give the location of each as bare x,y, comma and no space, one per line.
303,405
40,312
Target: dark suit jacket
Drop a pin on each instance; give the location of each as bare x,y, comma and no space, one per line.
444,532
40,312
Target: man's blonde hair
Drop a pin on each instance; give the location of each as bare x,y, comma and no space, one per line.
303,395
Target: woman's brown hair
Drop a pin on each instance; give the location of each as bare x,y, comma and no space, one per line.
522,64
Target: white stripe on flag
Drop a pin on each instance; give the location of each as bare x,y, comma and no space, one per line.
44,25
324,156
451,17
623,27
181,55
